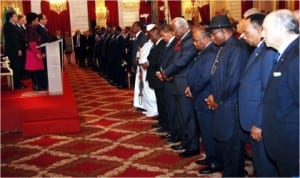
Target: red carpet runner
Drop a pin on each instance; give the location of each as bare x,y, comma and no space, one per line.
115,140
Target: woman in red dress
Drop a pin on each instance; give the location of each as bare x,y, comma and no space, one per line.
34,63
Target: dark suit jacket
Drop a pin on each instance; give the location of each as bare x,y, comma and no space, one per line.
45,36
140,40
182,61
252,86
198,76
154,65
167,58
82,41
225,84
281,107
12,44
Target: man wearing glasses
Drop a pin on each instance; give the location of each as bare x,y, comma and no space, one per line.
226,72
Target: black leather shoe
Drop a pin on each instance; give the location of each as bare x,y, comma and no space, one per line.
172,140
202,162
178,147
20,87
210,169
188,153
156,125
161,130
168,136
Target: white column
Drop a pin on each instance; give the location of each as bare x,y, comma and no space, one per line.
36,6
78,15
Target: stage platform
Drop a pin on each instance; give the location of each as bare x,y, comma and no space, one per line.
37,112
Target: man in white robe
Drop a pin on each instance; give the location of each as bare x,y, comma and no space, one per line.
144,97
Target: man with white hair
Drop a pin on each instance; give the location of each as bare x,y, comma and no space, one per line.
281,99
185,53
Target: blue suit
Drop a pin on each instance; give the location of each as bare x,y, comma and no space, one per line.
251,91
167,58
198,79
225,83
281,112
178,69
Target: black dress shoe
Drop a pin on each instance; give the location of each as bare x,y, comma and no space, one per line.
20,87
202,162
210,169
161,130
172,140
188,153
156,125
178,147
165,136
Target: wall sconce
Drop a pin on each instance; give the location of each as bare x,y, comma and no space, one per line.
131,4
58,5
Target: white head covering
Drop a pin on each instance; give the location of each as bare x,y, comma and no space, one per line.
150,27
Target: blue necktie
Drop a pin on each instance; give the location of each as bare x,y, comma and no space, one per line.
276,58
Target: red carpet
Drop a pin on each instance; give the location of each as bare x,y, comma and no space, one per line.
36,112
114,140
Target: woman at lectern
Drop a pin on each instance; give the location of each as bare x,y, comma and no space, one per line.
34,62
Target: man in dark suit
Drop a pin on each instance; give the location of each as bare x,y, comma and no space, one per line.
79,47
167,57
21,32
119,74
139,41
251,90
226,71
13,48
45,38
281,99
198,82
177,70
154,67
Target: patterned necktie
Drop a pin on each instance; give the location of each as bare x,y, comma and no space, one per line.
214,66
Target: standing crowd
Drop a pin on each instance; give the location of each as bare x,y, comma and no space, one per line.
226,89
198,82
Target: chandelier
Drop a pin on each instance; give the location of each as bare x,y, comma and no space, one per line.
58,5
131,4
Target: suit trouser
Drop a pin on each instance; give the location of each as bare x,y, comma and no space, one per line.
16,66
172,112
205,125
263,166
161,107
232,153
188,124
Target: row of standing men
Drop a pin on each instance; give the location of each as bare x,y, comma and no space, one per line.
204,80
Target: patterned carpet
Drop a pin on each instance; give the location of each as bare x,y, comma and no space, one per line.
115,140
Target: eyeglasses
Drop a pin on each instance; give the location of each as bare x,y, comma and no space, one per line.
215,32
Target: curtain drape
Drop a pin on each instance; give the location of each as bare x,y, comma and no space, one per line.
91,4
56,21
113,14
205,14
26,7
296,5
282,4
174,7
246,4
145,8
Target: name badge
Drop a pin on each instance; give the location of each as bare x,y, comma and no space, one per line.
276,74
